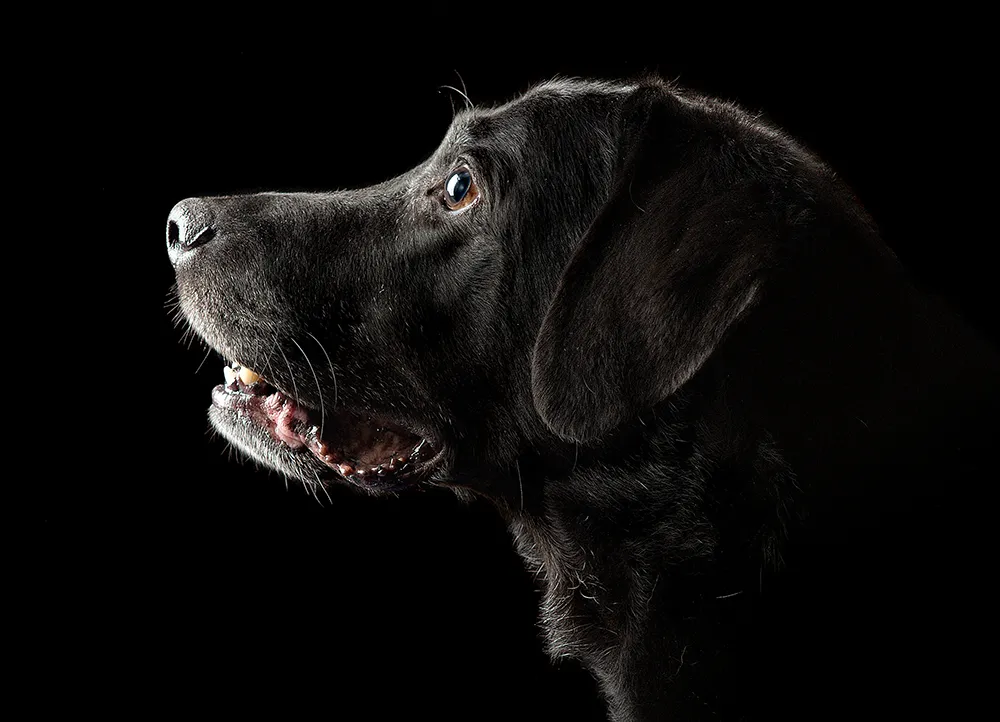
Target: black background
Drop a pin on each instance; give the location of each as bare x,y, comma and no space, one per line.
164,574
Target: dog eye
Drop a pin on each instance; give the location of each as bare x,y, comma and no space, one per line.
460,189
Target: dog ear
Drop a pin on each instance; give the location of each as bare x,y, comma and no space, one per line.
669,263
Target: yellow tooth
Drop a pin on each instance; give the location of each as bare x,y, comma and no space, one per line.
230,375
248,376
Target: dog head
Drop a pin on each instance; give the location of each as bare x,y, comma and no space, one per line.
561,263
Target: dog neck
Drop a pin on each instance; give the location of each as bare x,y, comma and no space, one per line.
631,563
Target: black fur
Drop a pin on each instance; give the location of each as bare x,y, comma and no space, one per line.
743,452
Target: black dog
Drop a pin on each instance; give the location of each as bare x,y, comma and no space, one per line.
740,448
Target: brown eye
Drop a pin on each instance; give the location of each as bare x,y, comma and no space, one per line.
460,190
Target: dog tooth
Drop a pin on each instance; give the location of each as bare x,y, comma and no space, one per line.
229,374
248,376
345,469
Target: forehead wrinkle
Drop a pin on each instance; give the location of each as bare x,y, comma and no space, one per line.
485,135
499,133
455,138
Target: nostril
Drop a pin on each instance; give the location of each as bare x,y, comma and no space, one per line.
201,237
191,223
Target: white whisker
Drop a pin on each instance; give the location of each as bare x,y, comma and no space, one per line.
517,464
330,363
295,390
208,352
468,103
319,389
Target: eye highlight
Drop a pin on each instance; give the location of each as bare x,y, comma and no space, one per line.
460,189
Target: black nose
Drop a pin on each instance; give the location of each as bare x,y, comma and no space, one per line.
189,225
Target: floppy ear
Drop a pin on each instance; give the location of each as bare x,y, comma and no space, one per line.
670,262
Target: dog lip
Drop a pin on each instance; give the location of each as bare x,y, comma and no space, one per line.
377,455
275,411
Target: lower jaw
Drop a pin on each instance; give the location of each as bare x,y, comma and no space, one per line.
277,431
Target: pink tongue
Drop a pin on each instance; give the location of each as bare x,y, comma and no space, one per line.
283,412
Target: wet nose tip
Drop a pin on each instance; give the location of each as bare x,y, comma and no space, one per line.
189,225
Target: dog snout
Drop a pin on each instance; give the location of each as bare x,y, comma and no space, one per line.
191,224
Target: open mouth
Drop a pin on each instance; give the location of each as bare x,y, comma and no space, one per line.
373,453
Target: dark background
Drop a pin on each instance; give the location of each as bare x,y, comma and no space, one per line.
163,574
